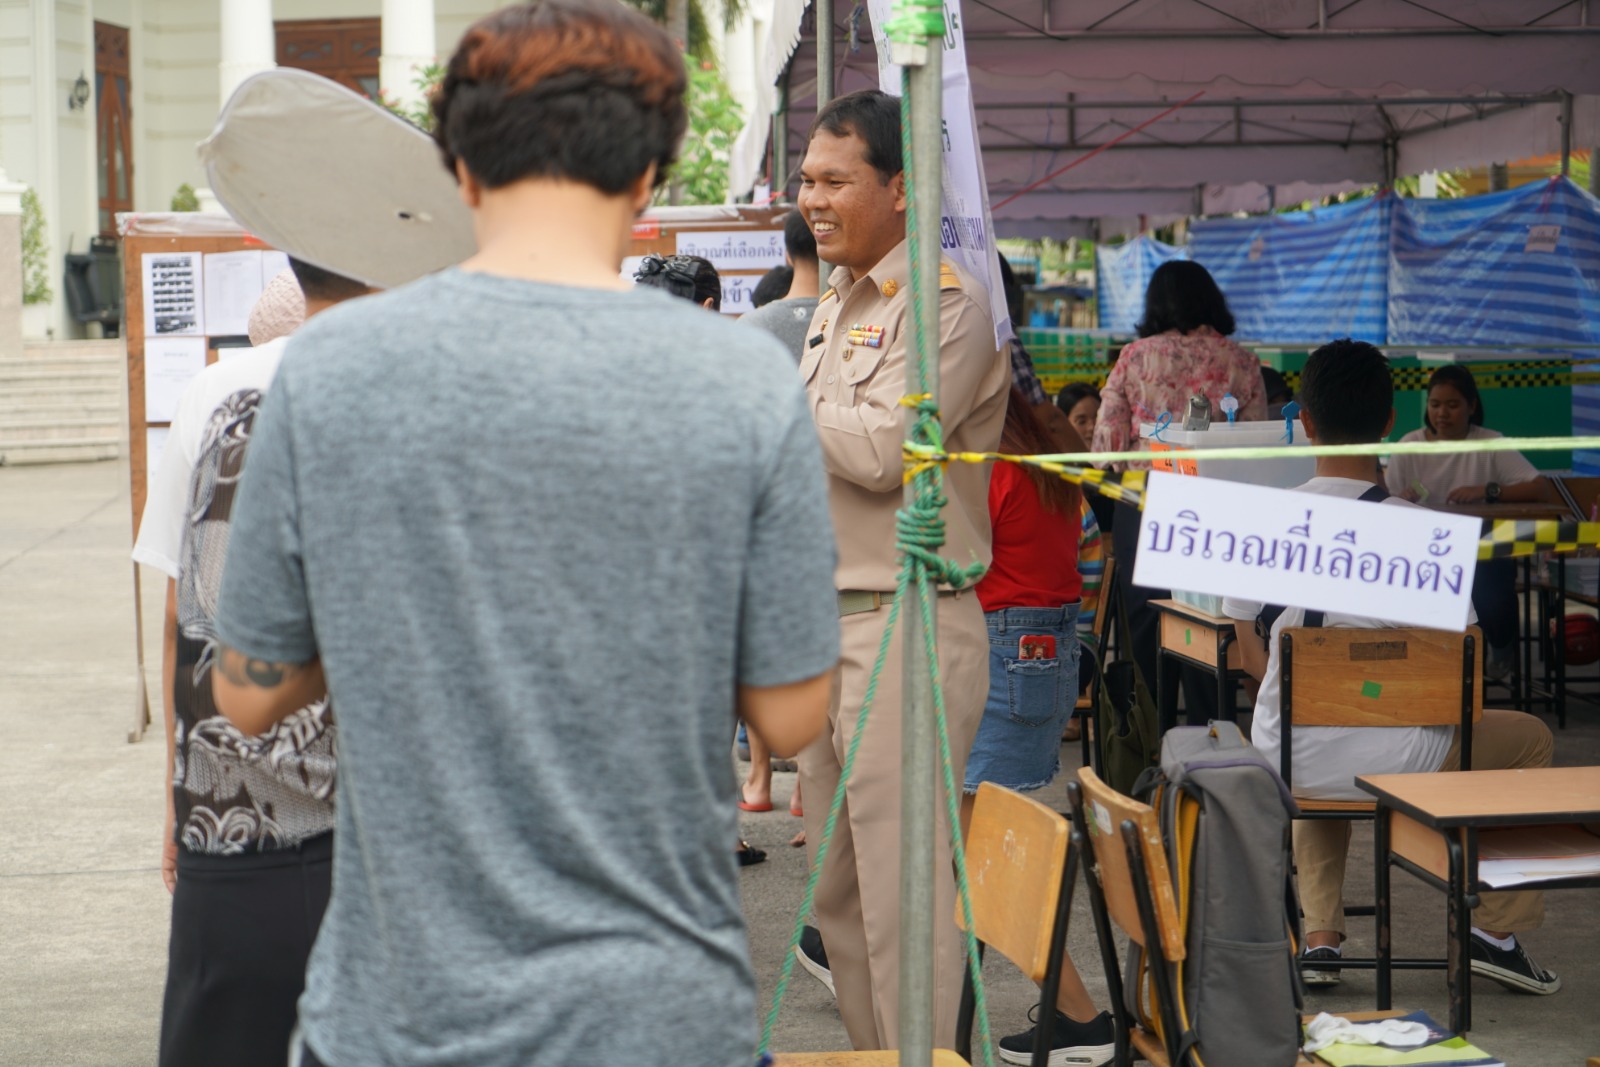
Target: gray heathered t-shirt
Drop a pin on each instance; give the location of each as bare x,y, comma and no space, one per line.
788,320
537,535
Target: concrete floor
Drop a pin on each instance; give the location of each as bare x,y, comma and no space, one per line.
83,914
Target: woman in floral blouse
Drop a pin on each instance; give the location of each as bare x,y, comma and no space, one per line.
1183,349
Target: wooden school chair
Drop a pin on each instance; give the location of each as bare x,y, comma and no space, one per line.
1130,886
1086,711
1020,873
1386,678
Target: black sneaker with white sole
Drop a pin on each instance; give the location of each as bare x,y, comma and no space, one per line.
1511,967
813,957
1319,977
1073,1044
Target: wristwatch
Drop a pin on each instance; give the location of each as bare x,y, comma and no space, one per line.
1491,492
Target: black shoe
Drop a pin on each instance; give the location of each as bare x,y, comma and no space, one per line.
813,957
1319,976
1074,1044
1511,967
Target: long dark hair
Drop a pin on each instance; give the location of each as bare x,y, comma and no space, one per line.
1460,379
1183,296
1024,435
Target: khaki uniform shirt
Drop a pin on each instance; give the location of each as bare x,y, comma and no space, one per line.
855,387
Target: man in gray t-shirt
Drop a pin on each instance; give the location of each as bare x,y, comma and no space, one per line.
536,611
789,318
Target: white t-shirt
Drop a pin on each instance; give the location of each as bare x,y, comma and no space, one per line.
1440,474
1327,759
161,528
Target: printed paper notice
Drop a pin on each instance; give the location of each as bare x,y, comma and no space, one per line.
1275,546
1542,239
233,285
173,292
757,250
170,364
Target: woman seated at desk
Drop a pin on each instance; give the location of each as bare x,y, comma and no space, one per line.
1455,413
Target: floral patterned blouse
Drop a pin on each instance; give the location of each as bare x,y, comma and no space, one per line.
1159,374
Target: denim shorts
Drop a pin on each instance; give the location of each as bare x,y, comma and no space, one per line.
1030,698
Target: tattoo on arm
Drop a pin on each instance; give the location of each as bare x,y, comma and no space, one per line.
241,670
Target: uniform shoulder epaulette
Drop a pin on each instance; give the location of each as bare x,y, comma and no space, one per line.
947,277
831,292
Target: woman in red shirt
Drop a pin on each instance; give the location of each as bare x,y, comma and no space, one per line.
1034,600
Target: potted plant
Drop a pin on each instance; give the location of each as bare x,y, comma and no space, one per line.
36,292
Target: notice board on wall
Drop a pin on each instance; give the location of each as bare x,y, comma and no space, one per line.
189,281
742,241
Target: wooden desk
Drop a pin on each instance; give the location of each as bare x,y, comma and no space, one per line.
1429,825
1191,636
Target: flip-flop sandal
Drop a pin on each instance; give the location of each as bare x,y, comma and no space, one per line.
745,805
749,855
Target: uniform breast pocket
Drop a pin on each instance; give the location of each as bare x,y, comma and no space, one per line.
861,360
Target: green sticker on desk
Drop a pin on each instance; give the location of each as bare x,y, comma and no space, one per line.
1188,636
1371,689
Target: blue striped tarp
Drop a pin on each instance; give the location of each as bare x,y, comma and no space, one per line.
1518,267
1303,276
1122,273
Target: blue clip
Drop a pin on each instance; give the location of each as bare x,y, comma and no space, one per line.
1230,406
1161,424
1290,410
764,1060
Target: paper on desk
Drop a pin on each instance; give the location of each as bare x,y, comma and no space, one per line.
170,364
1516,856
1455,1052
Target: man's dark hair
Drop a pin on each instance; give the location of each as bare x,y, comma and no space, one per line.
1074,393
690,277
584,90
1183,296
873,116
798,240
1013,290
1348,391
319,284
772,286
1460,379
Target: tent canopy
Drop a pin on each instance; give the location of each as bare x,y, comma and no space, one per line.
1256,103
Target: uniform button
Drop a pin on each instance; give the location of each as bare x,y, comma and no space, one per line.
847,353
830,379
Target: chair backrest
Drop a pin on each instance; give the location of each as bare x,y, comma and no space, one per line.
1103,610
1104,812
1016,855
1338,676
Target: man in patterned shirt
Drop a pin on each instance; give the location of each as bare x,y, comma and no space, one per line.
249,829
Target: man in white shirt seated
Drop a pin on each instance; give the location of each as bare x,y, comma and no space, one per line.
1347,397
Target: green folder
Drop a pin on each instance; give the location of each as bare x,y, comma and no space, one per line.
1454,1052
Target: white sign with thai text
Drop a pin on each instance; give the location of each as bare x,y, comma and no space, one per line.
1276,546
967,230
738,293
757,250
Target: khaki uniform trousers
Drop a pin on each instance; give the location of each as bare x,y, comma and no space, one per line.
1500,740
858,894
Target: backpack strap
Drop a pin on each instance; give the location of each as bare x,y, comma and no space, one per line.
1375,494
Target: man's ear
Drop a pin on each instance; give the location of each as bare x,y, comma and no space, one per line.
898,183
469,188
644,187
1307,425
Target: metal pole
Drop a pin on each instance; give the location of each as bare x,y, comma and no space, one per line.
1566,135
824,94
780,138
919,790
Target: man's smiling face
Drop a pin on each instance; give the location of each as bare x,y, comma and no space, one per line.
856,216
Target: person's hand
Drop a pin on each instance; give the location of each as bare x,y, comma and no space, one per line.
169,850
1410,494
1468,494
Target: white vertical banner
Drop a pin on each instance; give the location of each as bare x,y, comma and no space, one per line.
967,233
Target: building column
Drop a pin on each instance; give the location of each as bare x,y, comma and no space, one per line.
408,46
249,43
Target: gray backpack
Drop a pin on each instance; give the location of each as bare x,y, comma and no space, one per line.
1225,816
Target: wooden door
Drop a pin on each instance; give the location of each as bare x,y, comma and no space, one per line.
345,50
113,124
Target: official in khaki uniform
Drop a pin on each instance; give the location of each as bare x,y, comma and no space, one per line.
857,365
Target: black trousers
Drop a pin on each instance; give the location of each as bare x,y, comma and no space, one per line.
242,930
